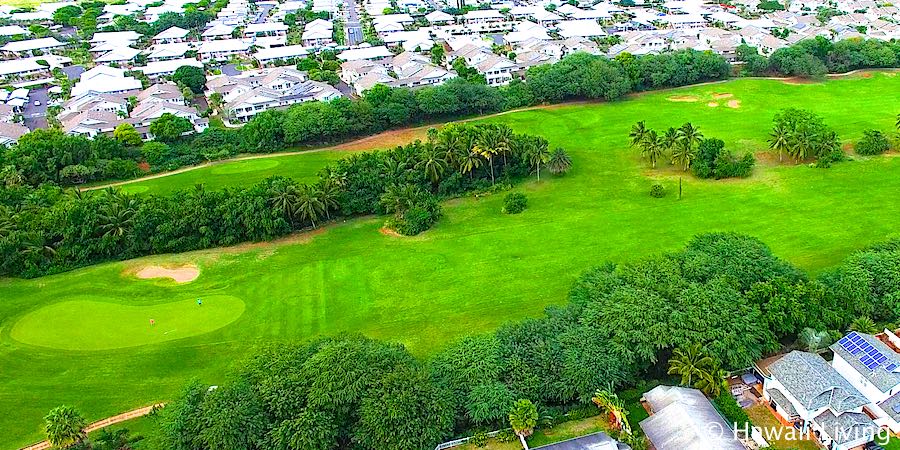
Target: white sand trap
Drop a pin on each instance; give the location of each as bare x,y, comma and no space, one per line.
183,274
683,98
734,104
712,104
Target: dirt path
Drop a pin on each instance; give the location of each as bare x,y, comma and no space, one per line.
404,135
140,412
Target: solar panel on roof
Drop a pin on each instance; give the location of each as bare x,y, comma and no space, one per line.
890,367
897,408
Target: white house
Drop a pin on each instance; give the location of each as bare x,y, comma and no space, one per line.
223,49
684,419
872,366
42,44
171,35
105,80
804,389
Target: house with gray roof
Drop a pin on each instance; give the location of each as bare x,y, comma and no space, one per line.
684,419
595,441
872,365
804,389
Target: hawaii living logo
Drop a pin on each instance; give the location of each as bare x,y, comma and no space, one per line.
717,430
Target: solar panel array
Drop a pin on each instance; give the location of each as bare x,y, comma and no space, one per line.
868,355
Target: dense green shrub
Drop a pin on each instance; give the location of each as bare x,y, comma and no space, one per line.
873,142
732,411
514,203
657,191
714,161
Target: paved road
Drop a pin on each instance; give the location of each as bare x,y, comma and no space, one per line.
263,13
36,116
230,69
354,29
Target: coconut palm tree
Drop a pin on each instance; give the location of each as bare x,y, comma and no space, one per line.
433,164
637,134
689,135
330,192
651,147
536,153
468,162
779,140
670,138
523,418
284,198
487,152
309,204
864,325
683,156
559,162
64,426
690,363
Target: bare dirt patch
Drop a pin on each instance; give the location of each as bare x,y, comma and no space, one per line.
734,104
389,232
683,98
720,96
182,274
712,105
798,80
388,139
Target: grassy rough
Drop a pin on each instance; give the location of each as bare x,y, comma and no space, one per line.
476,268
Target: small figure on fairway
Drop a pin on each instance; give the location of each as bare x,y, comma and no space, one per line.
199,302
152,322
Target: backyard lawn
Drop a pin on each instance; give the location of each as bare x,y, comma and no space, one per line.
476,269
774,432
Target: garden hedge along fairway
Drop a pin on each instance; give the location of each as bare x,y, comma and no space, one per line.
476,269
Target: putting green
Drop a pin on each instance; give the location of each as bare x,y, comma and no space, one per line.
105,325
251,165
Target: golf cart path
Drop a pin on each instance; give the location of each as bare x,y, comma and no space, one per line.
356,143
140,412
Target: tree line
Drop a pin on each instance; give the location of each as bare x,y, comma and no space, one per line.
816,57
317,123
721,303
687,148
48,229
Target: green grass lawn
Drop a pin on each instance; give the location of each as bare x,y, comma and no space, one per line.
477,268
302,167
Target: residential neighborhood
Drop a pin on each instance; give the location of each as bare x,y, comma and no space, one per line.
406,46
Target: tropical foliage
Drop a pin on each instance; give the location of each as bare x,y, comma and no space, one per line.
48,229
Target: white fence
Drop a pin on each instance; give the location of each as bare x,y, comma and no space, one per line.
451,444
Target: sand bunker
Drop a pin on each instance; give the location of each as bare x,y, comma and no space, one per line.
181,274
389,232
734,104
683,98
712,104
722,95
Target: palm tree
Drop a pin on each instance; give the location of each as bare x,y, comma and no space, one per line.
691,363
397,199
712,381
115,440
523,418
284,198
779,140
812,340
309,204
651,147
487,152
468,162
559,162
536,153
504,141
864,325
638,132
610,403
670,138
433,164
689,135
117,216
330,192
683,156
64,426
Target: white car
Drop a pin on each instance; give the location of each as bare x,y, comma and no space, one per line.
37,103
